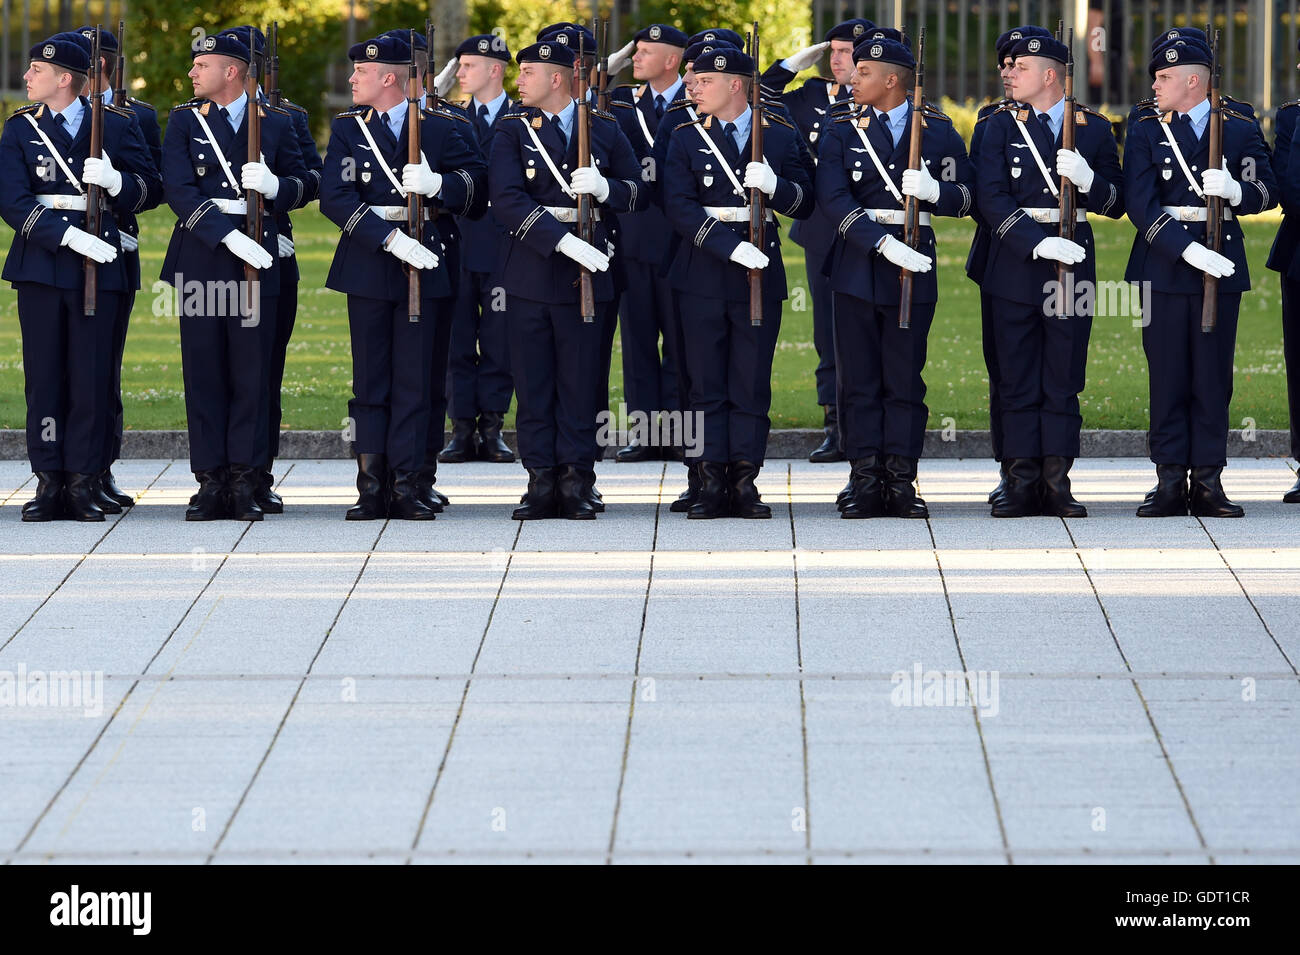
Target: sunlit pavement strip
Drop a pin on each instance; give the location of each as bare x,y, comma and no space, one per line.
648,689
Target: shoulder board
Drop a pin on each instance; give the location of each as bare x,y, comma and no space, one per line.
770,117
189,104
1007,106
268,108
1246,107
1080,108
444,114
30,108
355,111
288,104
1233,114
991,107
1152,115
463,104
626,104
1294,102
841,105
848,117
139,102
603,114
930,111
120,110
517,114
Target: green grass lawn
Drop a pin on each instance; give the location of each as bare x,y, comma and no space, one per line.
319,368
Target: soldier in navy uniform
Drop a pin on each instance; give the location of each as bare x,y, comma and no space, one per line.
287,299
812,108
1041,328
1167,180
863,180
1284,258
363,190
226,344
979,247
705,188
535,182
478,386
1181,36
112,498
649,381
67,355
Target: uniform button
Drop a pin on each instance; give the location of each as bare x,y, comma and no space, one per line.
366,165
1193,169
224,184
200,155
891,165
1044,190
565,166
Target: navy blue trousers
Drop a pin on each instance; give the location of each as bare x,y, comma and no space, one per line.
478,363
649,381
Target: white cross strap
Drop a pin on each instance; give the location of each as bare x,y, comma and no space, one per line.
880,167
54,152
550,164
1178,154
221,157
1042,167
379,157
726,166
640,116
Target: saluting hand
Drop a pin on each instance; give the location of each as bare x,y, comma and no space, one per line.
621,58
446,79
805,58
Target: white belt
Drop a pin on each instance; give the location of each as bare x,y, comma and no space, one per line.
569,213
733,213
395,213
77,203
1192,213
896,216
234,207
1051,214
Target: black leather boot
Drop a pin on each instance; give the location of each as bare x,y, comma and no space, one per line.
47,505
688,496
572,495
745,500
828,452
539,501
1057,499
243,493
405,502
109,484
866,490
106,503
372,488
1021,496
1292,496
1169,497
1002,483
636,451
901,499
492,447
846,494
425,478
79,498
713,499
267,499
589,489
1207,497
463,445
209,504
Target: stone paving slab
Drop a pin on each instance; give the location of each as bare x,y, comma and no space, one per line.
648,689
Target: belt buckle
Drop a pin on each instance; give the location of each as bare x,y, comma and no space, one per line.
62,203
1187,214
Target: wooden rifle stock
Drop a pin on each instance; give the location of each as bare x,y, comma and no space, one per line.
911,207
414,210
586,291
1214,204
757,205
94,194
1068,203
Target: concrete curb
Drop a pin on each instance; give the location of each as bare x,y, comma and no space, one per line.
788,443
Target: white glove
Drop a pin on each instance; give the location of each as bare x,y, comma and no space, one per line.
1075,168
100,172
919,183
421,179
1208,261
411,252
248,250
129,242
585,254
621,58
256,176
759,175
1060,250
83,243
904,257
804,58
749,256
446,79
286,246
1219,182
587,181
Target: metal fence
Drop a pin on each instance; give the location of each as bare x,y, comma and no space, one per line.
1259,39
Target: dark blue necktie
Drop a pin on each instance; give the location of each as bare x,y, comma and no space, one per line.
559,131
659,105
729,130
1046,122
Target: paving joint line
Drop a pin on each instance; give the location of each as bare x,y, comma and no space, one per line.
798,648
